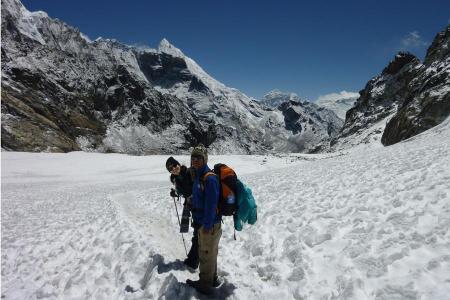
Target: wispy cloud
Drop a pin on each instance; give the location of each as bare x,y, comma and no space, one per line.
337,96
413,40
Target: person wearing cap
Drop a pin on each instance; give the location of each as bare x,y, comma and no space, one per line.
205,198
182,178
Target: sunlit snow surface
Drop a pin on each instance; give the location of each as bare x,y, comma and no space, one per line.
370,224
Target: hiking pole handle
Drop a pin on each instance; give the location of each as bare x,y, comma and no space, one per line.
173,193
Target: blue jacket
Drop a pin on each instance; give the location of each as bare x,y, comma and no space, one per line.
204,202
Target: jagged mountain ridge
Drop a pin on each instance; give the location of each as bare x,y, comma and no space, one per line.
62,92
407,98
429,102
86,92
365,122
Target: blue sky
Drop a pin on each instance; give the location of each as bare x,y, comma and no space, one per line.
311,48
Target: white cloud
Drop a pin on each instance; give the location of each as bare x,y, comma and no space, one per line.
337,96
413,40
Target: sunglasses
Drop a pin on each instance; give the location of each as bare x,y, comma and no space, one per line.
196,157
171,168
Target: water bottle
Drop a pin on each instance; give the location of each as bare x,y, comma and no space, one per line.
229,206
230,199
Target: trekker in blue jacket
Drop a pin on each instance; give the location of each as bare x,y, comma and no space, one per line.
205,198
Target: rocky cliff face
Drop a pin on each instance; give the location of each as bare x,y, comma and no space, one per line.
312,126
428,101
407,98
365,122
63,92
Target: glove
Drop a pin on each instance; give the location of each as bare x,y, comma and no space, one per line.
173,193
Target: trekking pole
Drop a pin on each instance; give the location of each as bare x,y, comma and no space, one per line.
179,223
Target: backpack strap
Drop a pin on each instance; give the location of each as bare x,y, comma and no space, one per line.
202,184
203,179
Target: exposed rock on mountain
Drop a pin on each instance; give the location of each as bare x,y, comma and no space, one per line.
365,122
407,98
312,126
428,102
63,92
88,92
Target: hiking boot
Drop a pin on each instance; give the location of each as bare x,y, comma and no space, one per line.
191,263
200,287
216,282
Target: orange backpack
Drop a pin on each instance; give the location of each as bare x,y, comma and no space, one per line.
227,205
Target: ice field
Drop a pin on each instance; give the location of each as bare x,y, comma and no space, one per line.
372,223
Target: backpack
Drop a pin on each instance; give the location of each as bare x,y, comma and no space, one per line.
246,212
228,189
235,198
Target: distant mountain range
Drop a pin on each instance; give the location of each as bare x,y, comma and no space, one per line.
276,97
340,103
62,92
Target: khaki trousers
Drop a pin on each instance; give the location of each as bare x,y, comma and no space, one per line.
208,249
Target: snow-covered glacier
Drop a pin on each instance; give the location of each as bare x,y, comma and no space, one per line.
371,223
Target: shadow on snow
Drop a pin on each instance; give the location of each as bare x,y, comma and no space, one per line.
171,288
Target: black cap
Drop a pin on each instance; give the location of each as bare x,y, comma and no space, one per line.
170,163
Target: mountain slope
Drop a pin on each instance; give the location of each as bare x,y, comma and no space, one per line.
87,90
64,92
312,126
407,98
378,101
429,103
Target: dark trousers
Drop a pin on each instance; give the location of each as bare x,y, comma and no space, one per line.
193,252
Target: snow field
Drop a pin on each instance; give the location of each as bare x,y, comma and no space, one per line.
371,224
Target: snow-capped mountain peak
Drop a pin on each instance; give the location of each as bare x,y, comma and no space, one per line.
123,98
275,98
215,86
27,22
166,47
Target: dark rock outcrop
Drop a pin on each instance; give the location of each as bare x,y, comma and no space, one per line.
382,95
428,101
407,98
